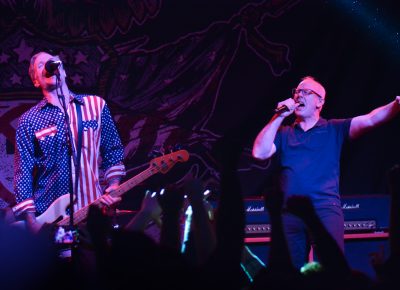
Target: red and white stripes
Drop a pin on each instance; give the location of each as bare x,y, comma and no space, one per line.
88,187
26,206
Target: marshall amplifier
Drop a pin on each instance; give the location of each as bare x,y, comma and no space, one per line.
370,213
257,218
362,214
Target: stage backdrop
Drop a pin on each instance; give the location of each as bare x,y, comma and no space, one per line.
184,74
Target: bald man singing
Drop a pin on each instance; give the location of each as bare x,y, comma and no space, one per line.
309,158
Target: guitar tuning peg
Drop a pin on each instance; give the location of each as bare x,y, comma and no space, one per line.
170,149
155,153
178,147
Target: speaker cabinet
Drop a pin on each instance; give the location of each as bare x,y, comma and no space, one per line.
358,250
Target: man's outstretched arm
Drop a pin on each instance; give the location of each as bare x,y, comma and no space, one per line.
362,124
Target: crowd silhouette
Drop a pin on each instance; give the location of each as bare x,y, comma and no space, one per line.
214,255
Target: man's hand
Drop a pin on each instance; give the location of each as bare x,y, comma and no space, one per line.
108,201
31,223
171,199
194,190
113,186
151,207
290,104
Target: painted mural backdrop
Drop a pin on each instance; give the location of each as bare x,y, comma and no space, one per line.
175,74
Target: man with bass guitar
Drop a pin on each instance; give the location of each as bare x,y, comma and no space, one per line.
46,147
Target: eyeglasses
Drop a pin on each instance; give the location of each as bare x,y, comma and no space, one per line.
296,92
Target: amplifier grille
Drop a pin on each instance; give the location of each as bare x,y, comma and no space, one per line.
349,227
255,229
362,213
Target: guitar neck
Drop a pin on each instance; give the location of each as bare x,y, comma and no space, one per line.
160,164
81,214
131,183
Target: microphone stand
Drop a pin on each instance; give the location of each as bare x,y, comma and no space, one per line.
72,148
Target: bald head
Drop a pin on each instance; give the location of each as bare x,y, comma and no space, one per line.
310,83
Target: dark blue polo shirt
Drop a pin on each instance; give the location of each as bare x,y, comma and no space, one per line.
310,160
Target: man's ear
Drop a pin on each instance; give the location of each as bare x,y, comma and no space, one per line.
321,102
36,83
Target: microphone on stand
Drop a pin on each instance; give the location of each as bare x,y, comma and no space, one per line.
51,67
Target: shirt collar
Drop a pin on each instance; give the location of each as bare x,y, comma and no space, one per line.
321,122
74,98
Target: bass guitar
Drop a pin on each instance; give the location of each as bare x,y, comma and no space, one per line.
57,211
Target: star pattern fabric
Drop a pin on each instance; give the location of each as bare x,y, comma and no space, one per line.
44,169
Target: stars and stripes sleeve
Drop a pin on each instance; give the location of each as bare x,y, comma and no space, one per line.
23,168
111,148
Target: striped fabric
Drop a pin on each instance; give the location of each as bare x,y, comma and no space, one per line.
89,188
27,205
41,152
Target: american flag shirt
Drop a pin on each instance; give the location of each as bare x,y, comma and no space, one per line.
44,167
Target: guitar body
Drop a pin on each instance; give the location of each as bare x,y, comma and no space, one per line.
56,210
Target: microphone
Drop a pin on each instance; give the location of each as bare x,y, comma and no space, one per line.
51,67
282,109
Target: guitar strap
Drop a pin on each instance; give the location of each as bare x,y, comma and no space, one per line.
67,252
80,129
78,154
78,146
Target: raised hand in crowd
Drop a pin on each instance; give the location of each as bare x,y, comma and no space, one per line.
279,256
150,210
171,201
394,229
224,266
280,272
202,230
387,270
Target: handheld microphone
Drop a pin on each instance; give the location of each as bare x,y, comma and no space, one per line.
51,67
282,109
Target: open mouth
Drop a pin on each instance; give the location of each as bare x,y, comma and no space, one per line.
301,105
